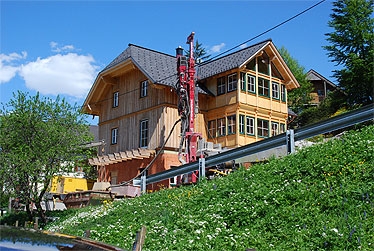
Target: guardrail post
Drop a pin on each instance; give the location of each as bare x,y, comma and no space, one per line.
143,183
290,137
201,168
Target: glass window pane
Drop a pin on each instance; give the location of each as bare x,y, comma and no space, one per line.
231,124
262,128
212,129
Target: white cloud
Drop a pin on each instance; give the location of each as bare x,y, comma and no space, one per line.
69,74
7,68
242,46
57,48
217,48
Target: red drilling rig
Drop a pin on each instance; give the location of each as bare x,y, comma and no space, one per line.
188,108
187,104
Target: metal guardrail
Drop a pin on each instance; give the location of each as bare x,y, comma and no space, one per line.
339,122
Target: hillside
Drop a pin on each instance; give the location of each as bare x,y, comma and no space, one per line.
319,198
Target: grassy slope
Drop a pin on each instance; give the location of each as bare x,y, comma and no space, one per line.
320,198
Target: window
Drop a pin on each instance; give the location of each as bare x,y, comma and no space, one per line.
282,128
242,81
283,93
173,181
263,87
212,129
241,124
114,134
221,86
144,133
221,127
274,128
251,80
250,125
232,82
115,99
144,88
275,90
231,124
262,128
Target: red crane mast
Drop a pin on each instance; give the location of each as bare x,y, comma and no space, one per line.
186,103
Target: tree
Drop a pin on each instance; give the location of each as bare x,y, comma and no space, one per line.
300,97
39,138
352,47
200,53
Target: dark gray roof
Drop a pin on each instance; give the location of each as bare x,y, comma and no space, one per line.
158,67
291,113
314,75
230,61
161,68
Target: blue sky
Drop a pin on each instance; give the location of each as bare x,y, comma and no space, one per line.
58,47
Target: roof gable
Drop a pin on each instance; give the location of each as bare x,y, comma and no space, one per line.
242,57
158,67
231,61
161,68
313,75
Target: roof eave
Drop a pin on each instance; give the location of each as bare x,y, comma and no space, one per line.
87,107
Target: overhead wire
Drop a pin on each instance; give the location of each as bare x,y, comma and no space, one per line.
268,30
225,52
235,47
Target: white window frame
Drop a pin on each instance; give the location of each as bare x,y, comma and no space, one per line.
282,128
232,82
283,93
243,81
251,83
250,125
274,128
144,88
231,124
144,133
221,127
114,136
263,89
221,85
275,90
262,129
212,124
241,124
115,99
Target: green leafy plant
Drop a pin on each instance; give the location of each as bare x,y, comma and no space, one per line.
320,198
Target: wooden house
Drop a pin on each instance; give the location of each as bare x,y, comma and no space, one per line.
321,87
242,99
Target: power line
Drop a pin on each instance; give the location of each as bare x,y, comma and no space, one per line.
274,27
235,47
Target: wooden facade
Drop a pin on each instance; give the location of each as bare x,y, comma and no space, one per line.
135,100
321,87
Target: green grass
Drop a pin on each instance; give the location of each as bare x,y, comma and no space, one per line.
321,198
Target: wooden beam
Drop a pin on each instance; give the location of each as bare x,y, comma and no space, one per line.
108,80
124,156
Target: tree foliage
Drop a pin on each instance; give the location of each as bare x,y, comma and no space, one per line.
200,53
352,47
39,138
329,107
300,97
